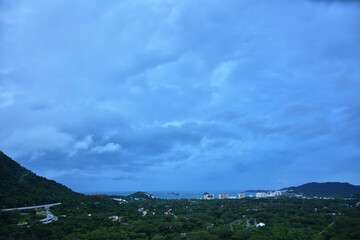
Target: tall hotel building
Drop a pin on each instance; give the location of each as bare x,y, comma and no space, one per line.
223,196
241,195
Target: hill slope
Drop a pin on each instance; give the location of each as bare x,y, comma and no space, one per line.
141,196
20,187
325,188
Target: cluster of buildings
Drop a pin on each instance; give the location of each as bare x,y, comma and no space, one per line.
145,211
269,194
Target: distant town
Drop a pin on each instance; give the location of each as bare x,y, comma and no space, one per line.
269,194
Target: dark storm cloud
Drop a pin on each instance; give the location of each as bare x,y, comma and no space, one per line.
251,95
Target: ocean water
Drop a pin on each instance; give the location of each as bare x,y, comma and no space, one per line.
182,194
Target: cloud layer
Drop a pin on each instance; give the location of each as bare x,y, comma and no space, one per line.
154,95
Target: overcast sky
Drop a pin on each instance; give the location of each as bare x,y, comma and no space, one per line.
181,94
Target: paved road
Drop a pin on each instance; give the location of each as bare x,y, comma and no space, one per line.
32,207
49,217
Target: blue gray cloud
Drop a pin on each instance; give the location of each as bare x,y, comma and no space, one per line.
154,95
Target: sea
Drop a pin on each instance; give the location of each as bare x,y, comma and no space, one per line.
182,194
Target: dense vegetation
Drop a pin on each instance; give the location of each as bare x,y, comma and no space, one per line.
285,218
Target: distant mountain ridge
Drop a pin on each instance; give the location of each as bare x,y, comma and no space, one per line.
21,187
325,188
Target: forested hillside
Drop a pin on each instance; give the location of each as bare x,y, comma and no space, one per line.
20,187
325,188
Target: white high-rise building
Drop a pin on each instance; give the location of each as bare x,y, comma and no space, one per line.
261,195
223,196
241,195
278,193
270,194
